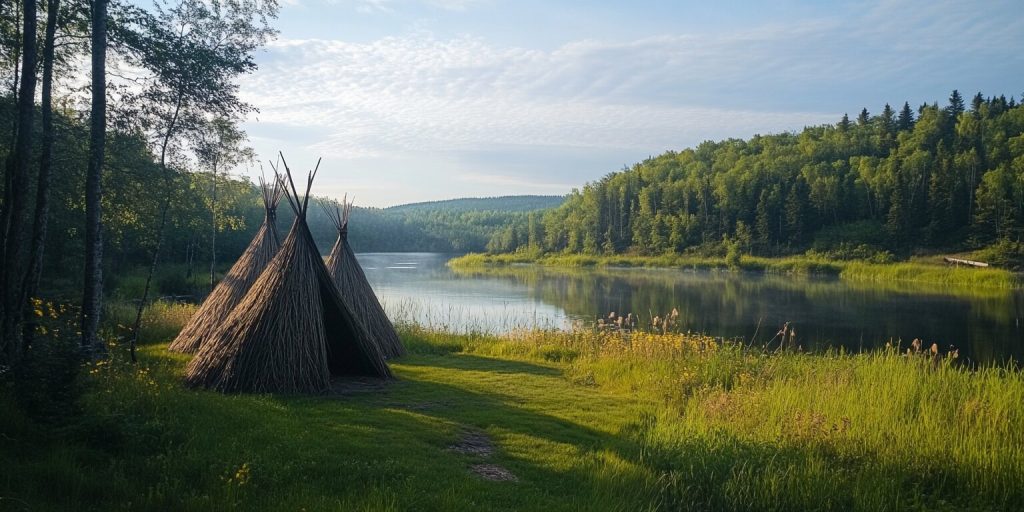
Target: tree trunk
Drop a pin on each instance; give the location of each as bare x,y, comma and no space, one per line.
92,296
213,231
152,267
9,162
14,247
35,260
164,207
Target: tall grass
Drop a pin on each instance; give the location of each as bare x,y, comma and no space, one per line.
932,272
923,272
742,429
161,320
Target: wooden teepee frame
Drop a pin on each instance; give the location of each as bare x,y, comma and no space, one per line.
292,331
230,290
353,285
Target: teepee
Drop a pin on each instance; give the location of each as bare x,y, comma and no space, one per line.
292,331
353,285
230,290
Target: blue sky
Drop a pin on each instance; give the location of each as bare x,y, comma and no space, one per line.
415,100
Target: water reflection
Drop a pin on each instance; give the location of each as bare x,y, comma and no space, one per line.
985,324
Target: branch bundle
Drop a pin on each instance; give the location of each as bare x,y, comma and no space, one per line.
230,291
292,330
353,285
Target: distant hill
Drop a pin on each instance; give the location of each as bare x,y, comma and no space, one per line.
452,225
480,204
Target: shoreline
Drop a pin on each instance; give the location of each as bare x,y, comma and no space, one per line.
913,271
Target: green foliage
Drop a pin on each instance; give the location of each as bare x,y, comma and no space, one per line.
732,255
949,178
1004,253
457,225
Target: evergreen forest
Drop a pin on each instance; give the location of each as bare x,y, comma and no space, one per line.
938,177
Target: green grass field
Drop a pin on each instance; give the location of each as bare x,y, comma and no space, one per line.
535,420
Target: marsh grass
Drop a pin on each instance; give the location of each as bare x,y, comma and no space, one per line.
922,270
931,273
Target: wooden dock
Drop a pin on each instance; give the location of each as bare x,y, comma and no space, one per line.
969,263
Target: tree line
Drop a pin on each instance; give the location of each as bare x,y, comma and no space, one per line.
111,166
935,177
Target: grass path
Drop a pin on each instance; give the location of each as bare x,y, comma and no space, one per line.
146,443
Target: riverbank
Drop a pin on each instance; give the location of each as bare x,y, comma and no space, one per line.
924,270
536,420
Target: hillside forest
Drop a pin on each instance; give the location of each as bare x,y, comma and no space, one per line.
932,178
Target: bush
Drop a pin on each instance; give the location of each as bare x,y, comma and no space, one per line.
1004,253
732,256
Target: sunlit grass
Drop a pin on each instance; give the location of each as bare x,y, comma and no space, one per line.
591,418
923,271
776,427
161,320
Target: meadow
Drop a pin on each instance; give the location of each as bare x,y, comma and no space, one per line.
591,419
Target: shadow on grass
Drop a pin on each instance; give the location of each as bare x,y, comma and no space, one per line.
174,448
469,362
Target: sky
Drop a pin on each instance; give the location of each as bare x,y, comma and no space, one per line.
419,100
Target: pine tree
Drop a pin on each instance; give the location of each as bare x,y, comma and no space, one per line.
844,123
906,119
795,208
886,129
956,104
897,220
977,102
864,118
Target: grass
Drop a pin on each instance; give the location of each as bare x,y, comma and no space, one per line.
931,271
584,420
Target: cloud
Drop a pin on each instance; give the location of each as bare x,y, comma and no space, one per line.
418,102
417,93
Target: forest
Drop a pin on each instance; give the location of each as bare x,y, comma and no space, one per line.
939,178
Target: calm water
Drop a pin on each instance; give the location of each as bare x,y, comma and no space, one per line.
984,324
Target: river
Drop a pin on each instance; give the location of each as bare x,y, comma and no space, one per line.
985,325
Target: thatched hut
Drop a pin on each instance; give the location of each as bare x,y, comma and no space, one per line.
353,285
230,290
292,331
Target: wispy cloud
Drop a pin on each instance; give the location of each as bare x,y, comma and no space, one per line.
422,94
418,100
